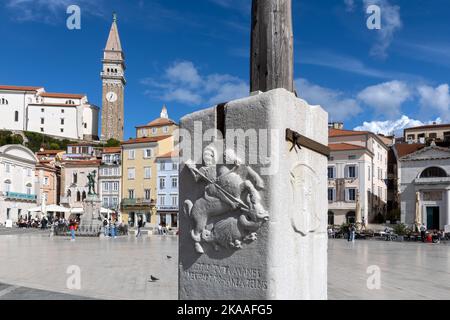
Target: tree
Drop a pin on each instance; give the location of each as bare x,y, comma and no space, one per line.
112,143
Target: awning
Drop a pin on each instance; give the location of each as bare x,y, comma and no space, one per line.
36,209
77,210
55,208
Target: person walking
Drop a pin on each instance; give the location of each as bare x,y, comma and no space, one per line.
72,228
353,233
423,233
113,228
140,224
105,227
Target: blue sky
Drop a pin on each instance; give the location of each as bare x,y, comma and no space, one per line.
192,54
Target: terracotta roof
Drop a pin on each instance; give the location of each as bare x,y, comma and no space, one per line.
172,154
79,163
62,95
158,123
112,150
19,88
404,149
342,133
52,152
145,140
431,126
344,147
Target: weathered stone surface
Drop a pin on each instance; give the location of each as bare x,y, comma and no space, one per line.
284,257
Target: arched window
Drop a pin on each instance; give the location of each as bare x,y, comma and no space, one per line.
16,116
75,178
78,196
69,193
29,188
84,195
434,172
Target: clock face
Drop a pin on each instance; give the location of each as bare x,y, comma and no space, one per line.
111,96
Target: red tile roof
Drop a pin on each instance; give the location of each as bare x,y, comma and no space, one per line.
342,133
431,126
403,149
145,140
80,163
158,123
172,154
62,95
344,147
112,150
19,88
52,152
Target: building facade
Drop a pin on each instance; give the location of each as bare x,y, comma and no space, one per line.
110,178
17,177
422,134
424,187
357,177
113,78
167,190
61,115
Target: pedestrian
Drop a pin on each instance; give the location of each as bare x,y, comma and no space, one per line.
113,229
140,224
105,228
423,233
72,227
353,233
160,229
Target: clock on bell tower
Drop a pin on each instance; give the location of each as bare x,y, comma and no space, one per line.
113,78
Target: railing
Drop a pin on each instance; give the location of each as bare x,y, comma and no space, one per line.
20,196
167,208
138,202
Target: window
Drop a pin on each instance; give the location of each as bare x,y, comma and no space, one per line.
84,195
16,116
131,154
148,194
331,173
62,130
174,200
62,121
130,194
115,186
42,121
351,157
351,195
115,202
148,153
174,183
434,172
42,129
166,129
105,202
162,183
174,166
433,135
75,178
154,131
29,189
380,193
29,172
85,125
7,186
45,181
8,168
331,194
147,173
131,173
330,218
105,186
62,110
69,193
369,174
351,172
42,110
162,200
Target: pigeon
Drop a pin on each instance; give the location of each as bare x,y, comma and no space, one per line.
153,279
169,257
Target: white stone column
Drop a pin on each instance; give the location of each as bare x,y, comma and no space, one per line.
448,208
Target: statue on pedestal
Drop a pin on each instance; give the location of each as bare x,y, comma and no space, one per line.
91,183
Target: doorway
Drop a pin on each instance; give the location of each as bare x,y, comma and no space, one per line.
433,218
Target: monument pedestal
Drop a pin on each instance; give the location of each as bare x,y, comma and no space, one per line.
264,215
91,223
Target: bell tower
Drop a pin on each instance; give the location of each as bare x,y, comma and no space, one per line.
113,78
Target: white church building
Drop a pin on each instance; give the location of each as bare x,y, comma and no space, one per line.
61,115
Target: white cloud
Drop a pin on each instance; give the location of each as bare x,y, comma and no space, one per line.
50,11
340,108
386,98
393,127
183,83
391,22
436,98
349,5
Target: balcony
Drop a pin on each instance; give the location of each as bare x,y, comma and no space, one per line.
20,196
139,202
167,208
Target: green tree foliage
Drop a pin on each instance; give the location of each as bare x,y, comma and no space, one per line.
112,143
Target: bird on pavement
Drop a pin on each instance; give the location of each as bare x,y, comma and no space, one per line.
153,279
169,257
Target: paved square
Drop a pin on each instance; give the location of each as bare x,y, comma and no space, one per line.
34,266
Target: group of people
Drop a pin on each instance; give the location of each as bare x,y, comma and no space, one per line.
34,222
435,236
110,227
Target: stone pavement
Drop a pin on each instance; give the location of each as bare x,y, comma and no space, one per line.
33,266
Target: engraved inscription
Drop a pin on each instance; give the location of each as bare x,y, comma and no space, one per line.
240,277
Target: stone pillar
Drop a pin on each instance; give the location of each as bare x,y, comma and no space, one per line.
448,208
237,254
